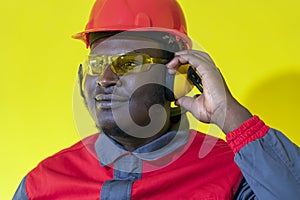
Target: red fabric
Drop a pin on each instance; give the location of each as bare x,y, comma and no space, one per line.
249,131
214,176
75,173
70,174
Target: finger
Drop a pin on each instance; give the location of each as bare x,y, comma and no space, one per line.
195,52
185,102
174,64
189,51
200,62
193,105
200,54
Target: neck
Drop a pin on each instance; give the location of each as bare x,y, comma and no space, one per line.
131,143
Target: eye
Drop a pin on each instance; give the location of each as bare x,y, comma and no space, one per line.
128,65
129,62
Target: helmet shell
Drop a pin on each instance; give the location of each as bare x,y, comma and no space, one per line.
141,15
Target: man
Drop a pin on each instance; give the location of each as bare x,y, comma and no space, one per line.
144,149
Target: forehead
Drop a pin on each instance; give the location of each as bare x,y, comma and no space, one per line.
122,44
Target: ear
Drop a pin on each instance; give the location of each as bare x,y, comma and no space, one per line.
80,80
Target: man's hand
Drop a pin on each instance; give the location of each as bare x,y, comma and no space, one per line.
216,104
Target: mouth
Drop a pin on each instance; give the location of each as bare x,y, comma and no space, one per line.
110,101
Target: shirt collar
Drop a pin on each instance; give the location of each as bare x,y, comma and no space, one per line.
108,150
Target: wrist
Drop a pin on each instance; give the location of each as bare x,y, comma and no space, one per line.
235,115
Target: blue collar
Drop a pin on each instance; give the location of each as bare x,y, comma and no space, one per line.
108,151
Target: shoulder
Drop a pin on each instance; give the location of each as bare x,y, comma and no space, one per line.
63,168
83,147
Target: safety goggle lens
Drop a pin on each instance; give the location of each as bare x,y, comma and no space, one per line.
120,64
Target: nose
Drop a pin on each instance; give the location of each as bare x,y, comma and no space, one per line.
108,78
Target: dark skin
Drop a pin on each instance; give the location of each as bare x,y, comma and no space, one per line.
98,94
216,104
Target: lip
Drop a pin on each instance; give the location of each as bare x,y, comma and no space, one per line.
109,101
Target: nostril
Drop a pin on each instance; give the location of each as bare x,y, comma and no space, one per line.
108,78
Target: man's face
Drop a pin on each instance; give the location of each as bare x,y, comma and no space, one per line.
109,96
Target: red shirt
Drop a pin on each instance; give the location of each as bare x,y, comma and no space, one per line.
76,173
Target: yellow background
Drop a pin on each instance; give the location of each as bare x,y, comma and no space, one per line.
254,43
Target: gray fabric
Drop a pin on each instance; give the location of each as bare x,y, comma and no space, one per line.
127,163
21,194
116,190
271,167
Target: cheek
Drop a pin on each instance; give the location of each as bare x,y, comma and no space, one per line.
143,99
155,75
89,88
89,85
146,89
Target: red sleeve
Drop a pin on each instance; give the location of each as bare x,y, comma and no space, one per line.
249,131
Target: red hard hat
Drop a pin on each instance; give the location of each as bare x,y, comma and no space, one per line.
142,15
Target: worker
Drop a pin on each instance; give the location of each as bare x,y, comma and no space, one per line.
145,148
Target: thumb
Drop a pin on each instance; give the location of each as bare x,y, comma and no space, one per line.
185,102
194,106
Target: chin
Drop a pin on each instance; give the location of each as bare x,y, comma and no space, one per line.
105,120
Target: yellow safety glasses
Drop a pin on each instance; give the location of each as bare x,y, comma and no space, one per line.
120,64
